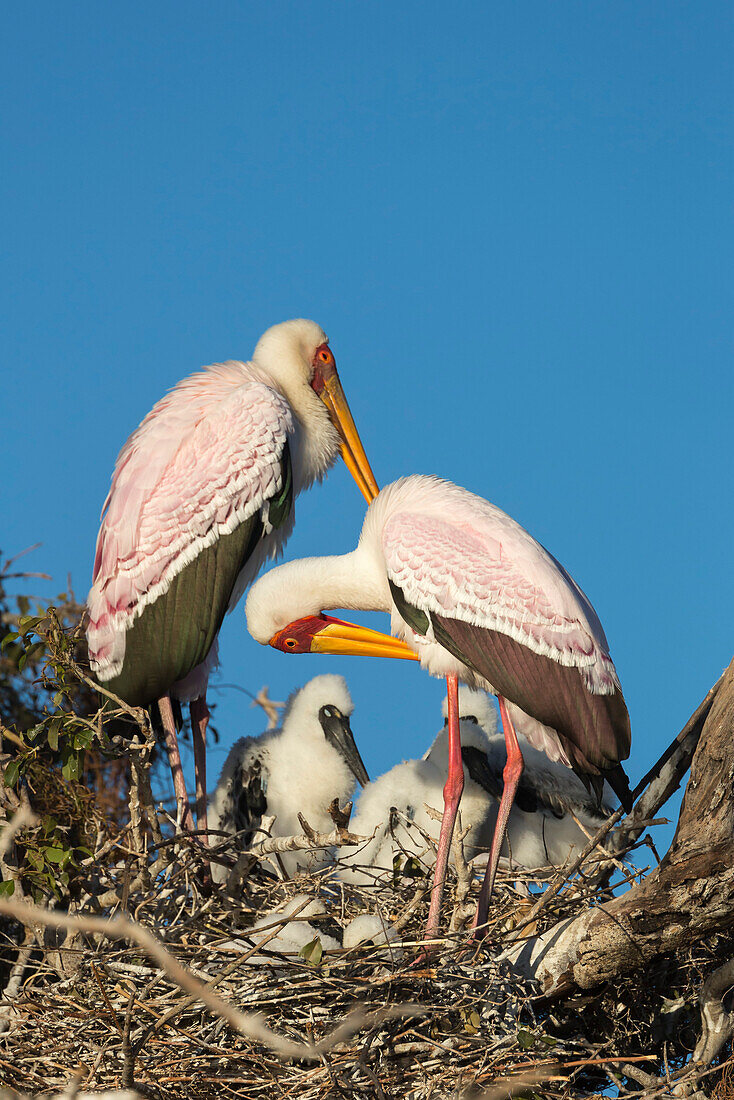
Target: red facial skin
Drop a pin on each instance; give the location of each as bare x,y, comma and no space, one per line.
324,366
298,636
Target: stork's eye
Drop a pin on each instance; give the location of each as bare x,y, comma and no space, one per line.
328,712
324,355
291,643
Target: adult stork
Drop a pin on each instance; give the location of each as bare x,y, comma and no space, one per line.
473,597
202,494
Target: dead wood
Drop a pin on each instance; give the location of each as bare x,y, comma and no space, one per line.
689,896
718,1024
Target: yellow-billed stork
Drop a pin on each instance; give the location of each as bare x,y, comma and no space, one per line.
474,597
202,494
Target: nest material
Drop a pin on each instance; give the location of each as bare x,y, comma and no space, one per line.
102,1011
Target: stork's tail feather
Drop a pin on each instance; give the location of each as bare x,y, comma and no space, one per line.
618,781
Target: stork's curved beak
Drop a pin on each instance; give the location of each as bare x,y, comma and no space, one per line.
338,733
355,459
324,634
348,639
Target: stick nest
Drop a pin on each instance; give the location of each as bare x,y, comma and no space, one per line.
380,1019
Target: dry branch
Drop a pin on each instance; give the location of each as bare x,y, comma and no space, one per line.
520,1082
337,838
180,1017
689,896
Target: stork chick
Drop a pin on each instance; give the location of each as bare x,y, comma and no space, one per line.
396,806
301,767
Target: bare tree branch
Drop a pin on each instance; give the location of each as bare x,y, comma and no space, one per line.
506,1087
338,838
690,895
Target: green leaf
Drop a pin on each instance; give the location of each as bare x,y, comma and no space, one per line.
28,623
53,735
9,638
55,855
7,888
472,1020
22,660
11,773
525,1040
83,738
70,763
412,868
50,880
312,952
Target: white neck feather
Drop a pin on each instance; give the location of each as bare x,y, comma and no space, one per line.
355,581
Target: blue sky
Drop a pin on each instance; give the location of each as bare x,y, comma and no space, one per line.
514,222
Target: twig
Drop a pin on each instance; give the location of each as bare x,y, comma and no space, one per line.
664,777
505,1087
177,1009
262,699
338,838
23,818
636,1074
694,723
14,983
463,874
127,1078
565,873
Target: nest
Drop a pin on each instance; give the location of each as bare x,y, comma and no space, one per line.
379,1019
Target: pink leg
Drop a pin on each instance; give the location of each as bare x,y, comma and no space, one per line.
199,721
451,796
174,759
511,778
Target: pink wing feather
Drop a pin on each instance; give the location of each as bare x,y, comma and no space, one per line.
204,459
459,557
468,560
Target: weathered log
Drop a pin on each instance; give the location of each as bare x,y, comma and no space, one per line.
689,896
